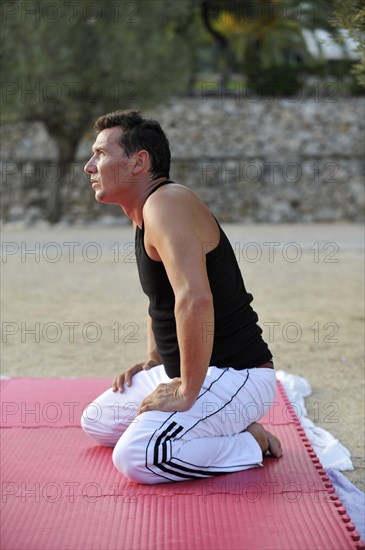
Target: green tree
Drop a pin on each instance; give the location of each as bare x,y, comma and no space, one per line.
64,63
350,16
263,38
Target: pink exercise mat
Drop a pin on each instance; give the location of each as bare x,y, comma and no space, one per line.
61,491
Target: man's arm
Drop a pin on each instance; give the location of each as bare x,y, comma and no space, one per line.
176,238
152,351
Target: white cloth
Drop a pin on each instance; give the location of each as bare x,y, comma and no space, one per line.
329,450
206,440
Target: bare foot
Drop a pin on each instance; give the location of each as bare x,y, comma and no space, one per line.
267,441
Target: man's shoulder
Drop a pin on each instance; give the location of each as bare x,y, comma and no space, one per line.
172,197
172,189
179,214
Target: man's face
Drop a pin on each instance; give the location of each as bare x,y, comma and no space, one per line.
109,167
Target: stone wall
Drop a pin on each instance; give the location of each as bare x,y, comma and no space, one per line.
271,160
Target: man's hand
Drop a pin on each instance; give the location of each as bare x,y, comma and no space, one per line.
166,397
126,377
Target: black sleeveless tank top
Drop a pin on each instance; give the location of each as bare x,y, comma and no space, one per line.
237,337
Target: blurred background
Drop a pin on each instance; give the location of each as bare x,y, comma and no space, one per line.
262,102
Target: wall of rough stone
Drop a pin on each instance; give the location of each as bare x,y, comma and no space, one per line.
273,160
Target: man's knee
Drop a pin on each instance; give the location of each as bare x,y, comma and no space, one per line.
129,457
92,425
87,424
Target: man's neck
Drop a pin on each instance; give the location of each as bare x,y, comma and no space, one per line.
136,202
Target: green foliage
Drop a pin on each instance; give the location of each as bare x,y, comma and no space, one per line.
65,66
65,63
269,37
275,80
350,15
266,39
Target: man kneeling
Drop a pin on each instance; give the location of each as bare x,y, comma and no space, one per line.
191,409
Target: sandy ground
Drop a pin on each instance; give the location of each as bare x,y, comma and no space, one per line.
72,306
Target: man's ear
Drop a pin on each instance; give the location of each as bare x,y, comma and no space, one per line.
141,162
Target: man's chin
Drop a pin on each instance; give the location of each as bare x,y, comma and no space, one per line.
100,196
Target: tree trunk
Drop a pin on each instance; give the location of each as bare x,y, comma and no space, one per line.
66,156
223,45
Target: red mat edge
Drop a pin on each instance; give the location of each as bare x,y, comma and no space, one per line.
330,490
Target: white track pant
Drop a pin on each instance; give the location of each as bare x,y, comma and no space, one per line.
206,440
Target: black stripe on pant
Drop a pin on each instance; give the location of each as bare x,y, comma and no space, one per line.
176,468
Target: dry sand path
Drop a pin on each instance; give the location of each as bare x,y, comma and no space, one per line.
72,306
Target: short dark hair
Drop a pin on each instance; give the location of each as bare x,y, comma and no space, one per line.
140,133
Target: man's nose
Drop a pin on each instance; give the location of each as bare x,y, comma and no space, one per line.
90,167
